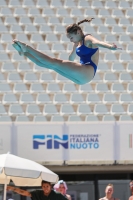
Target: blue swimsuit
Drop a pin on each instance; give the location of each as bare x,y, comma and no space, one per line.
85,54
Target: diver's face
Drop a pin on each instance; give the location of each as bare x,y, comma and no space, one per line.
74,37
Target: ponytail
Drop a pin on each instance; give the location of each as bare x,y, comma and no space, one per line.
85,20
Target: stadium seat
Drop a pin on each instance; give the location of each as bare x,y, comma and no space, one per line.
3,3
42,4
22,119
76,98
123,5
20,88
101,88
69,4
109,57
10,48
103,13
124,39
97,78
69,88
50,38
36,88
125,98
109,99
9,99
59,29
125,118
2,110
53,21
57,118
30,29
67,20
117,67
33,109
86,88
62,79
43,98
75,12
24,21
108,118
32,12
74,118
43,48
14,3
103,30
117,109
110,38
23,37
116,13
10,21
83,4
110,77
46,77
50,109
4,57
110,22
7,67
24,67
30,77
117,30
17,58
19,12
39,20
83,109
125,57
67,109
96,4
91,118
5,88
110,4
39,118
5,119
48,12
56,4
117,88
26,98
100,109
129,14
53,88
129,48
88,29
124,22
130,109
14,77
60,98
125,77
36,38
46,29
4,12
130,88
93,98
90,12
2,78
5,37
15,109
28,3
56,48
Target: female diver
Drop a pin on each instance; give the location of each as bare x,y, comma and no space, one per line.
85,46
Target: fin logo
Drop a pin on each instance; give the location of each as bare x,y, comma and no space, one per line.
51,141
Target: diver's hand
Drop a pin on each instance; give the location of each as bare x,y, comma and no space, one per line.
114,47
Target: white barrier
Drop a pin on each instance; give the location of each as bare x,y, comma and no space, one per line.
73,143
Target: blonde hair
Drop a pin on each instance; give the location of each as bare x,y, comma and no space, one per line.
111,185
